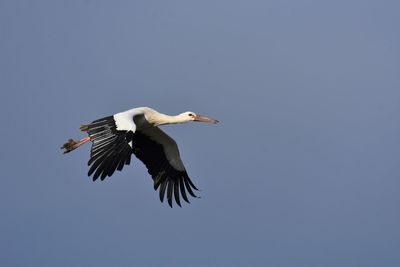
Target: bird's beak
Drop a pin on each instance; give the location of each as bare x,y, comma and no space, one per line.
202,118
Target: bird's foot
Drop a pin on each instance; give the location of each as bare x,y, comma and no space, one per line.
72,144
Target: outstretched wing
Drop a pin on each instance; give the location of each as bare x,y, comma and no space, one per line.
111,146
160,154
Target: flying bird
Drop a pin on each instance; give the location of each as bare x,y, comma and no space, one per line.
115,138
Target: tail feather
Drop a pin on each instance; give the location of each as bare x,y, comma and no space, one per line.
84,127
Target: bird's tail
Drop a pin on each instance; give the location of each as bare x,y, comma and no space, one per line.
84,127
72,144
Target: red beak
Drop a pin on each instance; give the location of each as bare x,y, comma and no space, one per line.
202,118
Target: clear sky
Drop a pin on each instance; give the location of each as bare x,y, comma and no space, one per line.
304,169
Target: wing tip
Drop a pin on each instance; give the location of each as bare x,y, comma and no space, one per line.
175,189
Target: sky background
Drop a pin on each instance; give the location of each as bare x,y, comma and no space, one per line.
303,170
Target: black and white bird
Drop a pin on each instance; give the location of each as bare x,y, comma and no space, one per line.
115,138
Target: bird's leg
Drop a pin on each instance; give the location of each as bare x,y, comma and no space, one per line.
72,144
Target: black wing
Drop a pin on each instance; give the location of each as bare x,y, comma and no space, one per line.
166,177
110,147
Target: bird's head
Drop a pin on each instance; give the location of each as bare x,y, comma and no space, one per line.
189,116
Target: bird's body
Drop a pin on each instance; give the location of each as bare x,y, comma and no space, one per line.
115,138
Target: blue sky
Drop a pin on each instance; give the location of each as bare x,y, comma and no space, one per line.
302,171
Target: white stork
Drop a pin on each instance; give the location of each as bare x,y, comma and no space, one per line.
115,138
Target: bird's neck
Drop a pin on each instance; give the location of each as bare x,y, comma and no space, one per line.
163,119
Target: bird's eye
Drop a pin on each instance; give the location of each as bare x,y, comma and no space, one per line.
191,114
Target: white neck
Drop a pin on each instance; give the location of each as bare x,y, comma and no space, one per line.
163,119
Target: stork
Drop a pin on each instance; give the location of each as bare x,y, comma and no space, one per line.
115,138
